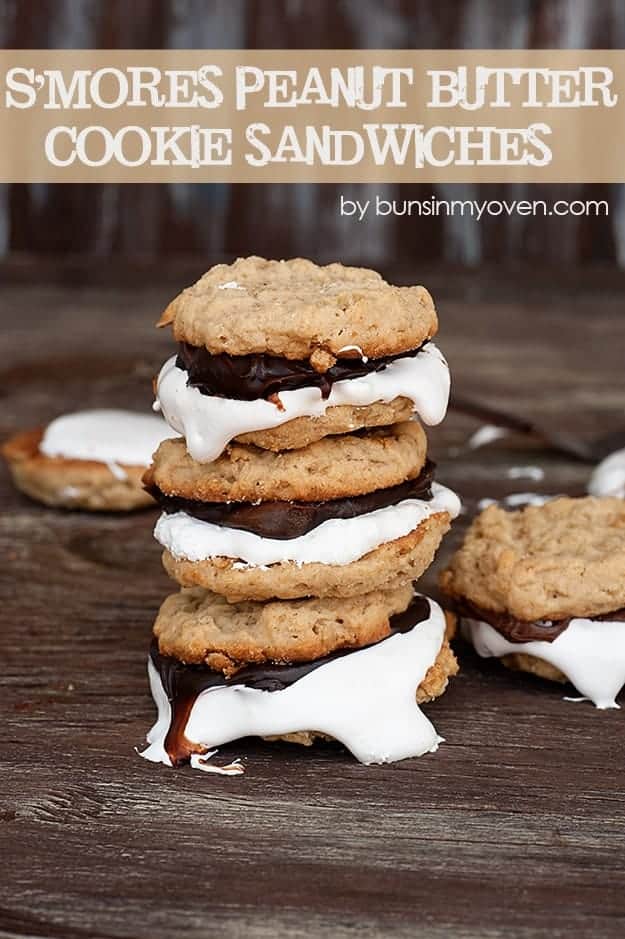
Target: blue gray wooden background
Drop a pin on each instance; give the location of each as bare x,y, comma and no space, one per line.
150,223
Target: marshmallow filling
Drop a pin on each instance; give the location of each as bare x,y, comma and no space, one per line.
210,421
589,652
519,631
105,436
336,541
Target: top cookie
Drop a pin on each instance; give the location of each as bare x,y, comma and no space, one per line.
331,468
562,559
296,308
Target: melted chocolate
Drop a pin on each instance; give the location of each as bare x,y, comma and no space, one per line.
249,377
183,683
517,630
283,520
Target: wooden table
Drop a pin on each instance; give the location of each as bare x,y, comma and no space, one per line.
516,827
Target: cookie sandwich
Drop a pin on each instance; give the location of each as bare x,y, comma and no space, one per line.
351,670
296,523
543,589
282,353
92,460
342,516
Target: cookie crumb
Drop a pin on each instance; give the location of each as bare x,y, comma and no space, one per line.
321,360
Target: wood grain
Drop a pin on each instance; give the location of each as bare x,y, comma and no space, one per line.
515,828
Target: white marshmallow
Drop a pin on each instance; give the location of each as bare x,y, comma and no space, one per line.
106,436
209,422
336,541
590,653
608,478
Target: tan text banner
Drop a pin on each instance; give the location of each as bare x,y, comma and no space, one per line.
312,116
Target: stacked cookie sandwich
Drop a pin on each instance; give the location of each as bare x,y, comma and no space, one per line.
298,509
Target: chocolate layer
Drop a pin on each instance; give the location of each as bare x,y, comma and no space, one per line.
516,630
183,683
284,520
249,377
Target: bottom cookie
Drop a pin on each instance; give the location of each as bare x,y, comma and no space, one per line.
520,662
367,699
387,566
342,419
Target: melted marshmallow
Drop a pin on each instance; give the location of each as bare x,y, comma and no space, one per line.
336,541
364,358
590,653
526,472
106,436
365,699
486,434
516,499
608,478
209,422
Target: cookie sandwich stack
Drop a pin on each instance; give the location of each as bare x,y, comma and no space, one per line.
298,509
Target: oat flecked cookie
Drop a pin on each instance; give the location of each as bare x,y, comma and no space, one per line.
332,468
342,419
70,483
296,308
565,558
386,567
199,627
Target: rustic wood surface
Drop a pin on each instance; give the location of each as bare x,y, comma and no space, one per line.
516,827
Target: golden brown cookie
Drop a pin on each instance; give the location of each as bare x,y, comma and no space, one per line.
72,484
342,419
550,562
521,662
332,468
386,567
297,309
199,627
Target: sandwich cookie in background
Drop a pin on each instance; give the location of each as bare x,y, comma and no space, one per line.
282,353
299,508
543,589
91,460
